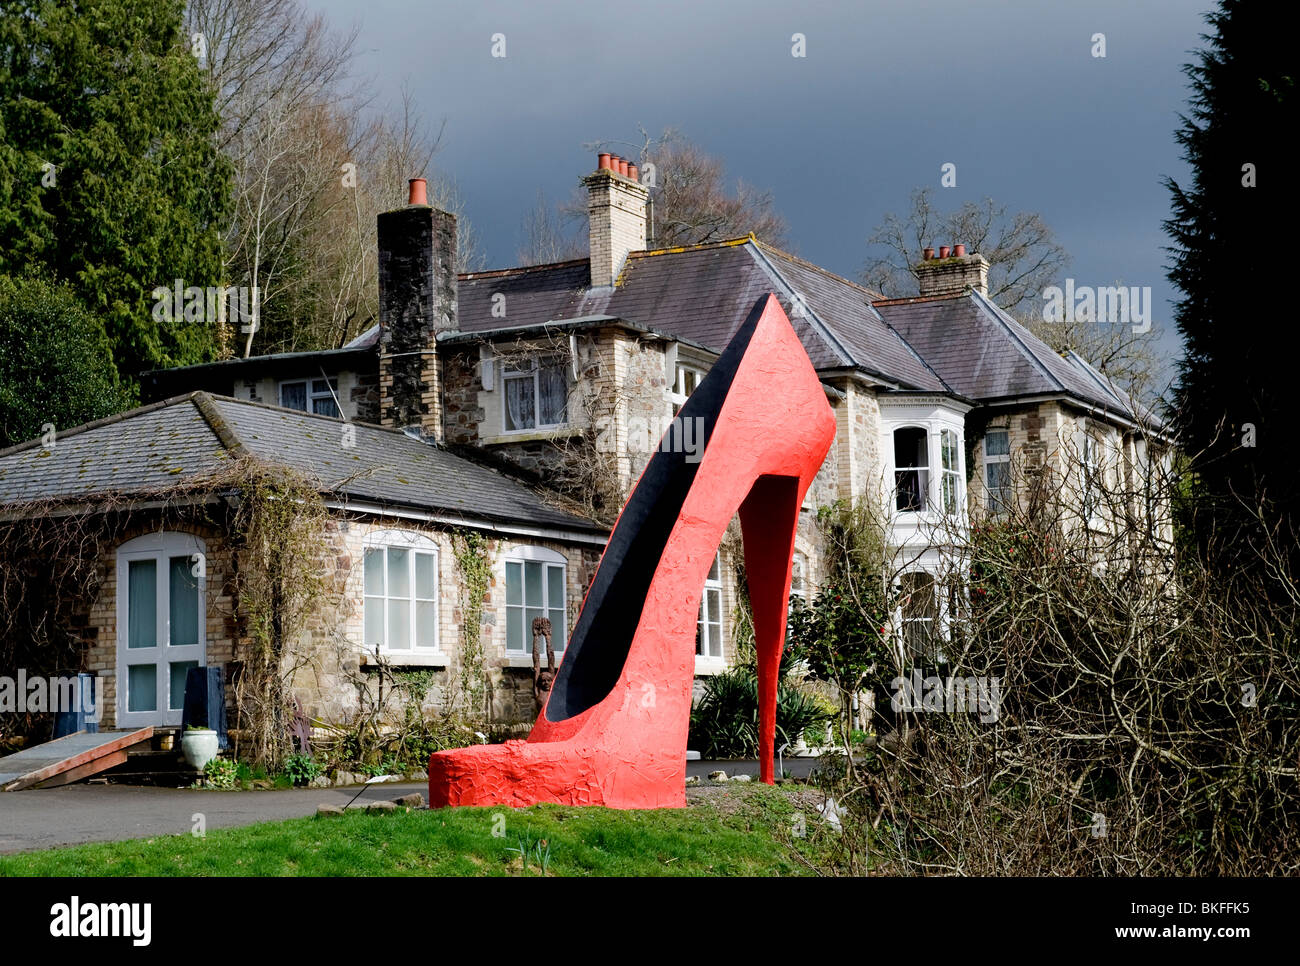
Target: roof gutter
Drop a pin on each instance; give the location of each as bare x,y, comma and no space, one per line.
1078,403
474,523
578,324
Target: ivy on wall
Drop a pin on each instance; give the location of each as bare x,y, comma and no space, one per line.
473,557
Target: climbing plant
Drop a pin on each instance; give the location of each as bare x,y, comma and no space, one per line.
56,558
473,557
279,529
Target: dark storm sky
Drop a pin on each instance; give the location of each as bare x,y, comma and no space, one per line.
888,92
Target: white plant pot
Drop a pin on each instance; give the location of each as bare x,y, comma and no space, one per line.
199,747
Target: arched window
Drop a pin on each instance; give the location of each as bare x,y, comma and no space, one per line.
911,468
161,625
535,587
401,591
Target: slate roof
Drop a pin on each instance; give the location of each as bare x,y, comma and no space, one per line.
985,354
702,294
962,345
189,438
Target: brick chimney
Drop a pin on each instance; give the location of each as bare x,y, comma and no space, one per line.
952,272
616,212
417,300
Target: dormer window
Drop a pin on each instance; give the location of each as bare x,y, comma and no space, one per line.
536,394
311,396
911,468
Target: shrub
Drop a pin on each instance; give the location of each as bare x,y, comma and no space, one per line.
221,773
56,365
725,722
301,769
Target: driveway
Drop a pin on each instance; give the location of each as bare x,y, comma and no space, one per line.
73,814
45,818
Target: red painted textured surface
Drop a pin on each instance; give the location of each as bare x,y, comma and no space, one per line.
770,437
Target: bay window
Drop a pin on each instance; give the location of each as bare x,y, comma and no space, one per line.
919,610
950,463
1091,478
687,378
911,469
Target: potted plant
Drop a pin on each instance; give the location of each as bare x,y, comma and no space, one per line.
198,746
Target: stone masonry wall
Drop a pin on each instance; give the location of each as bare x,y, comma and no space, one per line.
330,668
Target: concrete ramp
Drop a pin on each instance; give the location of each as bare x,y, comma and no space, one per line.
66,760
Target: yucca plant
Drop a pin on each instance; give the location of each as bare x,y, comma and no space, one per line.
725,722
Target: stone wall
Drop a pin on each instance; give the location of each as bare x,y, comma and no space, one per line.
856,450
1034,435
417,300
96,620
330,669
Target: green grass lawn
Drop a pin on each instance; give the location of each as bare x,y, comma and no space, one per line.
732,831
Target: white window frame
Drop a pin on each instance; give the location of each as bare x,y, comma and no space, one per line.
414,543
708,626
1090,465
159,547
951,476
532,375
991,501
523,555
925,473
679,392
314,395
933,620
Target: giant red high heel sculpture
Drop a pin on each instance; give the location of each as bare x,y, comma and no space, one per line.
613,731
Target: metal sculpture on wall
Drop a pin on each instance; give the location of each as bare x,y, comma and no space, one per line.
613,729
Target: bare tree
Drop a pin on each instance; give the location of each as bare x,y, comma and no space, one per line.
691,199
1024,259
312,173
546,238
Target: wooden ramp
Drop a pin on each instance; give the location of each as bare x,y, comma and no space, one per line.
66,760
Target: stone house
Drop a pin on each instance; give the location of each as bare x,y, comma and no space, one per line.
508,386
159,479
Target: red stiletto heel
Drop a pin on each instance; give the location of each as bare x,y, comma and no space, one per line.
769,556
613,731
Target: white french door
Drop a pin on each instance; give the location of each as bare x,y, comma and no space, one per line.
161,630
